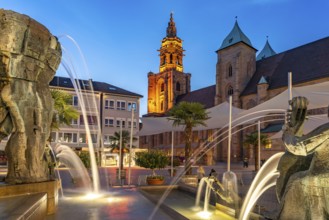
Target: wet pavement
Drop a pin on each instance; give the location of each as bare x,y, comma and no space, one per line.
122,202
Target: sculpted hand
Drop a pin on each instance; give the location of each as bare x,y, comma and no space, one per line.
293,129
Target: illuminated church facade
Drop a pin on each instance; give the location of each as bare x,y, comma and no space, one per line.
248,77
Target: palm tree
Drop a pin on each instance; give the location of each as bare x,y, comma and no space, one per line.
251,140
64,112
115,144
190,115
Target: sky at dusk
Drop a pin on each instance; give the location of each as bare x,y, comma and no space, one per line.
120,38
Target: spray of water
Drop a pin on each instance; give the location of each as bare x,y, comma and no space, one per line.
265,178
70,67
219,136
70,159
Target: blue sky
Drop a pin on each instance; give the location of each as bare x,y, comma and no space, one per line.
120,38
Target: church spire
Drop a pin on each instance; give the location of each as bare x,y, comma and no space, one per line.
171,51
267,51
235,36
171,29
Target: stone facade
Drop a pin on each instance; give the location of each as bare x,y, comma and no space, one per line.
164,87
250,82
171,81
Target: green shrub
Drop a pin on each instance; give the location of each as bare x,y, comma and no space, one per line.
151,160
85,158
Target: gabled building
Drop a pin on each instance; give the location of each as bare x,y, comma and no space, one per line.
250,79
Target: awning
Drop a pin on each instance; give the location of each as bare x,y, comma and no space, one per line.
219,117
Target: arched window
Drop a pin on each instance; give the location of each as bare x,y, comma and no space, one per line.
162,87
229,90
163,59
170,58
177,86
230,71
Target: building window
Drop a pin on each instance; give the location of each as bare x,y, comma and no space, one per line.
74,122
162,87
230,91
92,120
268,145
161,106
129,123
109,122
119,120
75,101
107,140
132,105
83,138
230,71
68,137
109,104
177,86
121,105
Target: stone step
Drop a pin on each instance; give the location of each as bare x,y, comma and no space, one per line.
29,206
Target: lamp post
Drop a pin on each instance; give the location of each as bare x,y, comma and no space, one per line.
120,152
133,107
172,154
257,168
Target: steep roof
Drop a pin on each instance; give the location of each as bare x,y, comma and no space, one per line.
267,51
205,96
171,29
235,36
66,82
307,62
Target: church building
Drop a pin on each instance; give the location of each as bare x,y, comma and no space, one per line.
248,77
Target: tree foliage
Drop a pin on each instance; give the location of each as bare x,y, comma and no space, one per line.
251,140
115,143
189,115
151,160
64,112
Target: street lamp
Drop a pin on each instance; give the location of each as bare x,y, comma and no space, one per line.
120,152
132,109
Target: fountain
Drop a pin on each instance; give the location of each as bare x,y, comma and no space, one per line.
78,171
30,56
265,178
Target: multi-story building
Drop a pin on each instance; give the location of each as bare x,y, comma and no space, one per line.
107,110
249,78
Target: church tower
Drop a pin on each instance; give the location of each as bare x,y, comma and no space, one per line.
236,63
171,81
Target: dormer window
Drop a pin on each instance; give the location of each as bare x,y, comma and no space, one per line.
230,71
